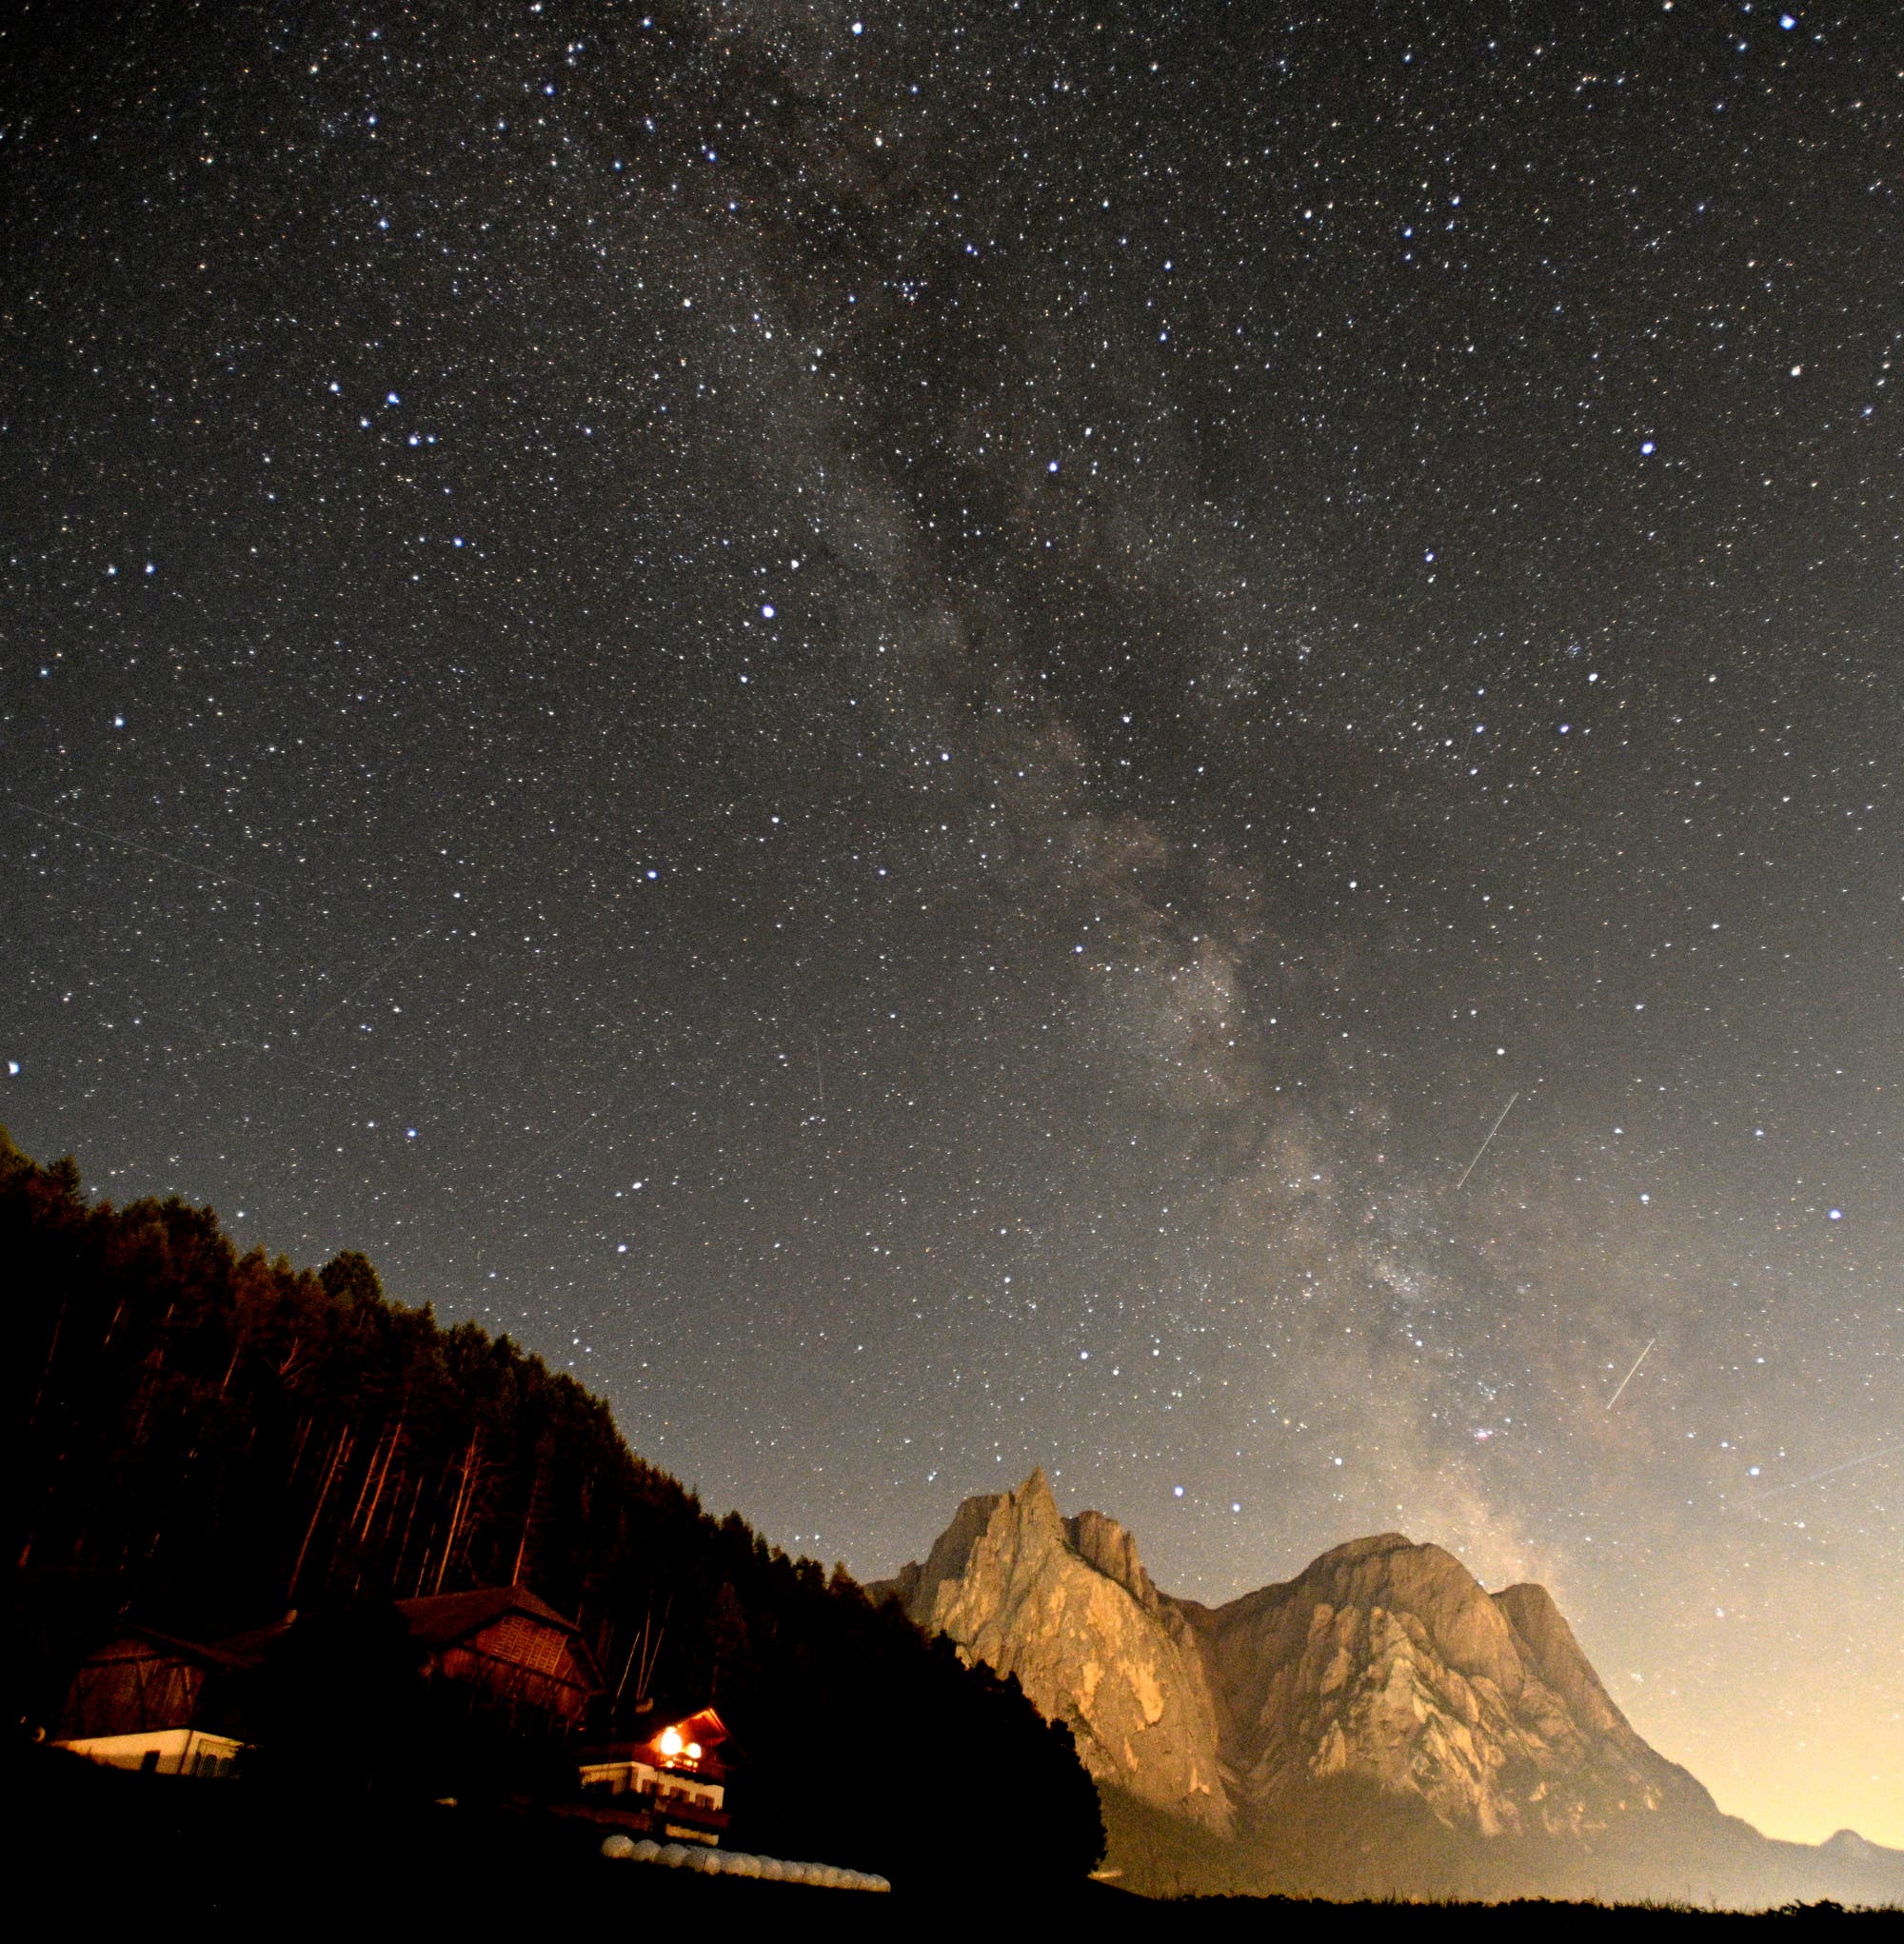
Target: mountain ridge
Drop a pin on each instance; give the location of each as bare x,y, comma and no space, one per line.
1378,1725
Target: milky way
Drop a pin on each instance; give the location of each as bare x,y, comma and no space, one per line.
894,727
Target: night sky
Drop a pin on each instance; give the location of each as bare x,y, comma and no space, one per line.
894,726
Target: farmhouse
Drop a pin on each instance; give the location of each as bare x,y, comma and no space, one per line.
672,1786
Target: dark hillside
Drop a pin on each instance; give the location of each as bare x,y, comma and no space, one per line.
210,1439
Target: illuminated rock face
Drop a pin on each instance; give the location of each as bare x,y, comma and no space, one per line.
1383,1662
1380,1725
1386,1662
1066,1607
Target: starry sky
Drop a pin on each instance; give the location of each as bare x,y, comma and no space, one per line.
895,725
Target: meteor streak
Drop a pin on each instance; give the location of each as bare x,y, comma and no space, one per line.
1483,1147
1630,1374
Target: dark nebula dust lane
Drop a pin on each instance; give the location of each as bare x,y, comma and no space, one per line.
895,728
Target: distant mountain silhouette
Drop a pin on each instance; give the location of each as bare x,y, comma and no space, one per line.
1380,1725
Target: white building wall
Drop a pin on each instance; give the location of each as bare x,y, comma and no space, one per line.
180,1751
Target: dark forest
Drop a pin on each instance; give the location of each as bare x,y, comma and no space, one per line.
213,1440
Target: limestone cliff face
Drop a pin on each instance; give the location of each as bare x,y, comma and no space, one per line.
1378,1725
1387,1662
1067,1608
1383,1662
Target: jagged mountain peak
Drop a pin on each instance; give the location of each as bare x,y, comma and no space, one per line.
1067,1607
1385,1663
1028,1518
1391,1573
1383,1666
1107,1546
1379,1723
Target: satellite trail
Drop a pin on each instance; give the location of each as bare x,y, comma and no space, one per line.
1483,1147
145,849
1831,1471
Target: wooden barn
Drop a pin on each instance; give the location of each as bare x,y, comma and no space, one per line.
510,1653
149,1700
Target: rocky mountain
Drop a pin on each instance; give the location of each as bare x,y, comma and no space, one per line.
1386,1662
1380,1724
1065,1606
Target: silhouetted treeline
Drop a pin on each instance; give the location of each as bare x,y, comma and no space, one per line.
212,1439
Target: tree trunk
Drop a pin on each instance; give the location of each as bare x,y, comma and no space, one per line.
465,1492
396,1438
344,1440
529,1520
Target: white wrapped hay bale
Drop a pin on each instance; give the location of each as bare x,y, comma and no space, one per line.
716,1862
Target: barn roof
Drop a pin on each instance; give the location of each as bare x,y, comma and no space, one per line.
441,1619
145,1641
